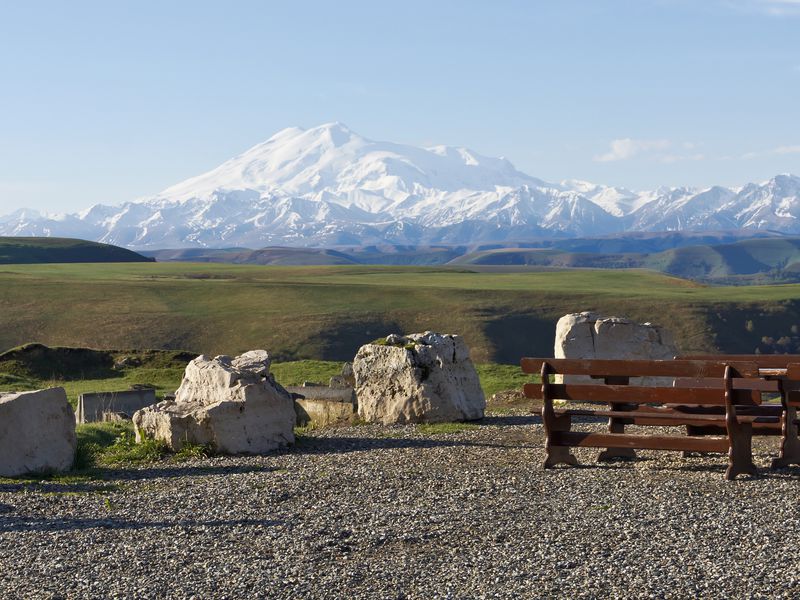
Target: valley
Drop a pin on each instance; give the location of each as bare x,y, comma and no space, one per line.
327,312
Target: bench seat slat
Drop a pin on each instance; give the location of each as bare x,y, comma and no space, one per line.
631,394
639,442
664,417
697,369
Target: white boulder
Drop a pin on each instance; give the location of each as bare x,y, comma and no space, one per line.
419,378
37,432
589,335
230,404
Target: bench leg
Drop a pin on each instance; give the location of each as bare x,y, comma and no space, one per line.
790,442
616,426
554,454
740,453
557,455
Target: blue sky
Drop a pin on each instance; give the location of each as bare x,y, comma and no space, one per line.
110,101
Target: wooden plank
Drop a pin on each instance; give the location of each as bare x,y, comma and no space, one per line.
772,372
764,361
793,371
639,442
631,394
663,418
697,369
739,383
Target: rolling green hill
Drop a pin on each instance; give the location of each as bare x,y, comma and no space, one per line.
775,260
766,259
265,256
32,250
328,312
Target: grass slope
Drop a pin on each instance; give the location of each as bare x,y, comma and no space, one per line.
328,312
265,256
83,370
743,262
33,250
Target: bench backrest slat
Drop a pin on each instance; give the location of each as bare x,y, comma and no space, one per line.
629,394
764,361
759,385
696,369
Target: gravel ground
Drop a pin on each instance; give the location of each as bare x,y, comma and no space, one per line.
375,512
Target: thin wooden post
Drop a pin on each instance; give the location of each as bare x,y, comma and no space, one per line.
790,442
554,454
740,436
616,425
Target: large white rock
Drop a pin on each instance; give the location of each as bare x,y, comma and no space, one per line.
419,378
232,405
589,335
37,432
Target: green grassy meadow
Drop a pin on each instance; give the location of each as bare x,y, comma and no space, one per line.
327,312
31,250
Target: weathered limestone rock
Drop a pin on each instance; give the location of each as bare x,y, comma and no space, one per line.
348,375
589,335
37,432
419,378
231,404
344,380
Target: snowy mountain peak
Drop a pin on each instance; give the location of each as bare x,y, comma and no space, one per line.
332,161
328,185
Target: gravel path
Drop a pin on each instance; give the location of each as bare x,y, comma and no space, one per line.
374,512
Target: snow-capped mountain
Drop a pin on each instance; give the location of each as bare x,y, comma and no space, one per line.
329,186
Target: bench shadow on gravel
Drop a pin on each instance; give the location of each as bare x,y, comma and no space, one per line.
393,441
343,445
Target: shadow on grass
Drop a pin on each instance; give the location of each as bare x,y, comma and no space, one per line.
24,523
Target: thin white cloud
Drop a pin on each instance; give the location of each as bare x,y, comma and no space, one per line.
627,148
780,8
664,151
780,150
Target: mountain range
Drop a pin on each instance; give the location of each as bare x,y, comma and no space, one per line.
329,186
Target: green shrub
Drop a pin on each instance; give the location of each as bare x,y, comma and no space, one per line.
190,451
125,450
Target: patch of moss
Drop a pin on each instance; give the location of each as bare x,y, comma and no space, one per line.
403,343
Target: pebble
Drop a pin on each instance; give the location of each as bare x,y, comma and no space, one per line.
387,512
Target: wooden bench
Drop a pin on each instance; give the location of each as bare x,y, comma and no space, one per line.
782,368
733,405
